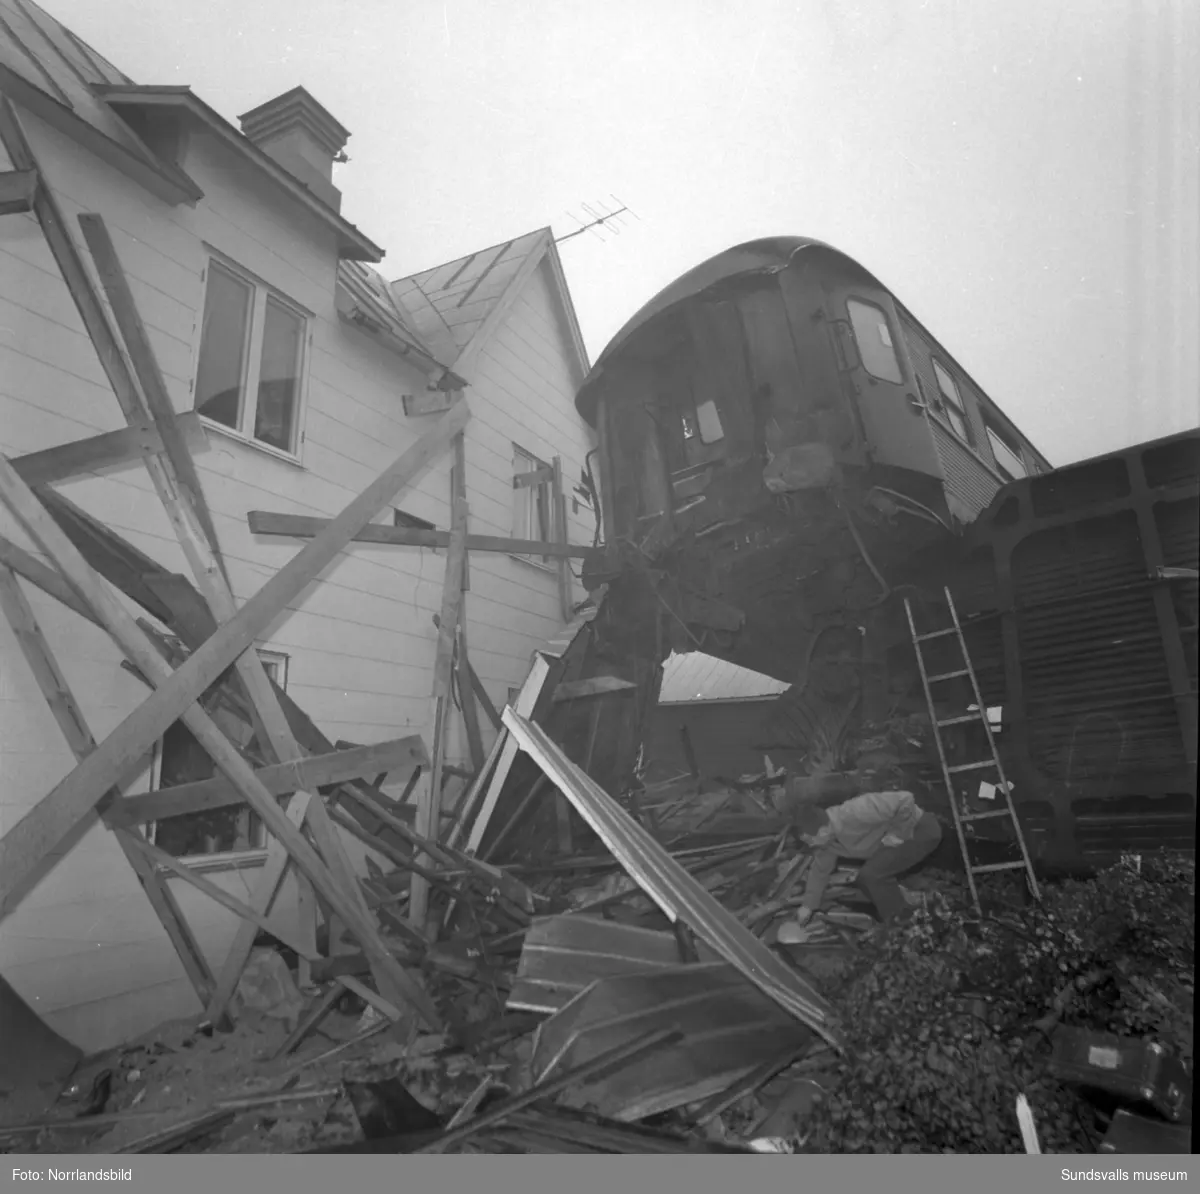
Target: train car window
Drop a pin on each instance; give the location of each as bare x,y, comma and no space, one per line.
874,339
1008,459
708,423
952,403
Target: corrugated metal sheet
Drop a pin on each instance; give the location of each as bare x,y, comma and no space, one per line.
694,676
671,887
1094,671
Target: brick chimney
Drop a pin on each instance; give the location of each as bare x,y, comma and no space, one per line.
302,137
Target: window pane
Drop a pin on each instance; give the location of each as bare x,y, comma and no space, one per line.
1008,461
279,377
221,372
708,421
874,340
952,403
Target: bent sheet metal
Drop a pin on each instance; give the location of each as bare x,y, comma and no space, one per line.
671,887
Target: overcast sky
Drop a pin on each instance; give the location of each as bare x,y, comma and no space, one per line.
1022,173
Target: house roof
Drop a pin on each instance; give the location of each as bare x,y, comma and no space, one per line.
364,301
47,69
696,678
456,306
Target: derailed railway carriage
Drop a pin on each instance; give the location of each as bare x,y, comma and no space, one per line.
785,454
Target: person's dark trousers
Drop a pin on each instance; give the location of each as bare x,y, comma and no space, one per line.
877,876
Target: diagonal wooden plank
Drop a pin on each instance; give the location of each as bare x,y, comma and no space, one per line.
25,845
16,866
129,445
49,580
67,712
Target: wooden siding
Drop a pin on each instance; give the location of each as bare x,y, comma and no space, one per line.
84,947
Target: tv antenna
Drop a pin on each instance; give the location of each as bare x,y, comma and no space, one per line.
600,216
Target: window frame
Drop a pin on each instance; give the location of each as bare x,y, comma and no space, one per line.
995,437
526,493
892,343
951,405
277,665
261,292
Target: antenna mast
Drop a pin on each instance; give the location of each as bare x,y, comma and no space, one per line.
598,217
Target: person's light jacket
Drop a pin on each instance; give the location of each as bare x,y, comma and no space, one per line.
859,827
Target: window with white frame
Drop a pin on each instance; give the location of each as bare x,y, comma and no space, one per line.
951,402
533,500
1007,456
232,829
251,364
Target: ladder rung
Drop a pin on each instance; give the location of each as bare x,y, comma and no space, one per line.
972,766
999,812
958,721
934,634
950,675
998,866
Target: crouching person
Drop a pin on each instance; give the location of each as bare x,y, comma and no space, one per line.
888,830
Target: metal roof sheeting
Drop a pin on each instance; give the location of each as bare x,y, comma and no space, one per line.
698,677
676,892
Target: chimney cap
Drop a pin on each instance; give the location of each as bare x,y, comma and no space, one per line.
295,108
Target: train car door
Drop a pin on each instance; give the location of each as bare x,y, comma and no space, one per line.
870,350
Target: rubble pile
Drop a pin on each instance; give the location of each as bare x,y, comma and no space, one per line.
596,1024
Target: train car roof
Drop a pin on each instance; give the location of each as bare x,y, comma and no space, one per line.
765,256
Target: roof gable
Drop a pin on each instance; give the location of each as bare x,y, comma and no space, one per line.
455,307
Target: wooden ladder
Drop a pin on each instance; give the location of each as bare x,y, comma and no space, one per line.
981,715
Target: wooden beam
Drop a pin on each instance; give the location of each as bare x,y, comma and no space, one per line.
160,858
47,579
539,476
301,526
145,364
28,842
429,402
17,189
466,694
565,599
69,716
279,779
129,445
429,803
25,845
573,690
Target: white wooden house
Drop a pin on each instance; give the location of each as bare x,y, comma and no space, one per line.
267,318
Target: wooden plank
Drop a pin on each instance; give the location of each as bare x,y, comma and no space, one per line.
279,779
220,895
145,364
25,845
429,402
301,526
526,700
466,694
50,581
566,604
365,993
129,445
17,189
429,803
67,712
539,476
572,690
15,865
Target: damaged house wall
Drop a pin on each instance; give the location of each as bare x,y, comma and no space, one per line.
82,946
